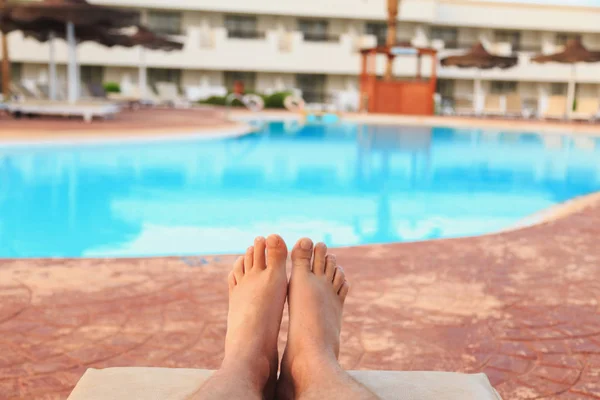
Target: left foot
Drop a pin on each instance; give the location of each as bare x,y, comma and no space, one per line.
257,292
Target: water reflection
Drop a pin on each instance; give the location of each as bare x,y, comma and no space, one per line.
344,184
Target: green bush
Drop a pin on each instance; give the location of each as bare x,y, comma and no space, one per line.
276,100
220,101
271,101
112,87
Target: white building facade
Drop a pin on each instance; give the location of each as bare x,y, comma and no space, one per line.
313,45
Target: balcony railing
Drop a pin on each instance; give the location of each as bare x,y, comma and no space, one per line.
245,34
320,37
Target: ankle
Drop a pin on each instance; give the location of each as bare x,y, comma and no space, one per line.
255,370
309,367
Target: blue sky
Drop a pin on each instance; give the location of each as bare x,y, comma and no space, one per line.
594,3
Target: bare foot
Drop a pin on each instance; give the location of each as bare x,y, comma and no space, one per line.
316,295
257,292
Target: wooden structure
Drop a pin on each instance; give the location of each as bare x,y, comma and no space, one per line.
409,97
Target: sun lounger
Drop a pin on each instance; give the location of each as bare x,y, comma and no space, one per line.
586,108
21,92
514,105
169,95
557,107
181,384
493,105
85,109
463,106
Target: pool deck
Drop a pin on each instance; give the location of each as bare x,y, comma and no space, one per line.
521,306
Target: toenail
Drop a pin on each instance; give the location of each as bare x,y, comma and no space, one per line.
321,245
259,239
306,244
273,241
251,248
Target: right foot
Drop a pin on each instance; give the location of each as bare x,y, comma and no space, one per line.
316,294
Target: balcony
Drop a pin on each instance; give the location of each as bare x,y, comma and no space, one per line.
244,34
320,37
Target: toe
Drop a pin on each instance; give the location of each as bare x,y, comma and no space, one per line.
259,253
238,269
301,254
319,259
344,290
231,281
338,279
249,259
276,252
330,265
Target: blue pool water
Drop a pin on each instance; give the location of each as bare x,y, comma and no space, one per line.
344,184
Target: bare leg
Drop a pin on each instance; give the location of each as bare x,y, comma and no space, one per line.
257,291
316,294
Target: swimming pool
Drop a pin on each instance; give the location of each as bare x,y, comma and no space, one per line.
345,184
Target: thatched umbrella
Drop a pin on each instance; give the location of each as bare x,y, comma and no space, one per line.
71,13
478,57
573,53
392,23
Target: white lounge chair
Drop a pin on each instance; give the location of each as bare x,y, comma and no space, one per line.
557,107
493,105
169,95
586,108
463,106
28,102
86,110
514,105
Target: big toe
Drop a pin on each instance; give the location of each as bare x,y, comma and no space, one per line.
302,254
276,252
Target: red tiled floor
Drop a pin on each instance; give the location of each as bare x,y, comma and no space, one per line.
520,306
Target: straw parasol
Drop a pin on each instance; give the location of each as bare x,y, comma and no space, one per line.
392,11
37,15
78,12
478,57
574,52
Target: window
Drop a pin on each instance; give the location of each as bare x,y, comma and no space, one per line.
445,88
312,87
92,75
511,37
249,79
379,30
242,27
16,73
503,87
558,89
156,75
165,23
315,30
448,35
563,38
